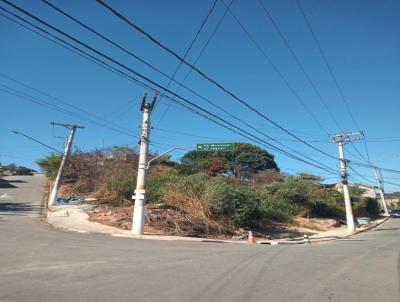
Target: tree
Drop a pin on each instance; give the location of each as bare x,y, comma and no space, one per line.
356,192
12,167
298,190
23,171
267,177
50,164
17,170
217,166
245,160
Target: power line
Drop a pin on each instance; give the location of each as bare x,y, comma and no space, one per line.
44,103
186,134
241,101
35,140
277,71
126,51
392,183
53,39
395,178
302,68
171,79
187,52
361,176
72,49
148,64
208,137
69,16
231,127
326,62
374,166
382,140
81,110
30,98
122,110
200,55
330,70
308,77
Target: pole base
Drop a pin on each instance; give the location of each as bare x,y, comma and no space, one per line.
139,212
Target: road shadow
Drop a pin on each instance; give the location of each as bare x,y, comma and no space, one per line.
6,184
15,181
388,229
345,239
18,208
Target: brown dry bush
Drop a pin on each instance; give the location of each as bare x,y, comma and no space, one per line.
187,202
187,210
108,175
102,174
267,177
174,221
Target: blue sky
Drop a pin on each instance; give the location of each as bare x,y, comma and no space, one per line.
359,39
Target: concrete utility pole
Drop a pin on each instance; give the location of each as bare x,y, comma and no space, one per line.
380,188
341,139
140,192
67,151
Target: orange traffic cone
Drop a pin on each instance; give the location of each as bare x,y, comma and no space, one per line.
251,238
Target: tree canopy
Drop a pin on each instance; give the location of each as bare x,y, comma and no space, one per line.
246,159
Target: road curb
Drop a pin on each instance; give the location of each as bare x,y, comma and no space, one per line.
56,217
321,239
372,226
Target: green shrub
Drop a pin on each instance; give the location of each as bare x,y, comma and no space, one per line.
50,164
366,207
195,185
372,206
294,190
328,210
278,210
237,205
158,184
121,189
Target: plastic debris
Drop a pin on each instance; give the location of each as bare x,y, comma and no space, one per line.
90,199
70,200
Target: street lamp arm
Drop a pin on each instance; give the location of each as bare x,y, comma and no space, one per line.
166,152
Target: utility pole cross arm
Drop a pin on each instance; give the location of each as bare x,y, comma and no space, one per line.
69,126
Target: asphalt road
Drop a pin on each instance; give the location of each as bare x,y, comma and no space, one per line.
38,263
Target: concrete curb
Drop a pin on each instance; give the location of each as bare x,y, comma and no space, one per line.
360,230
74,219
322,238
372,226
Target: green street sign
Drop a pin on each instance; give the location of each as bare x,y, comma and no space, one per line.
216,147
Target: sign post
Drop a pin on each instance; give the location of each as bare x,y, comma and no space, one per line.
215,147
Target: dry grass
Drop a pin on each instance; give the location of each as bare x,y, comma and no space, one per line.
187,202
108,176
166,220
